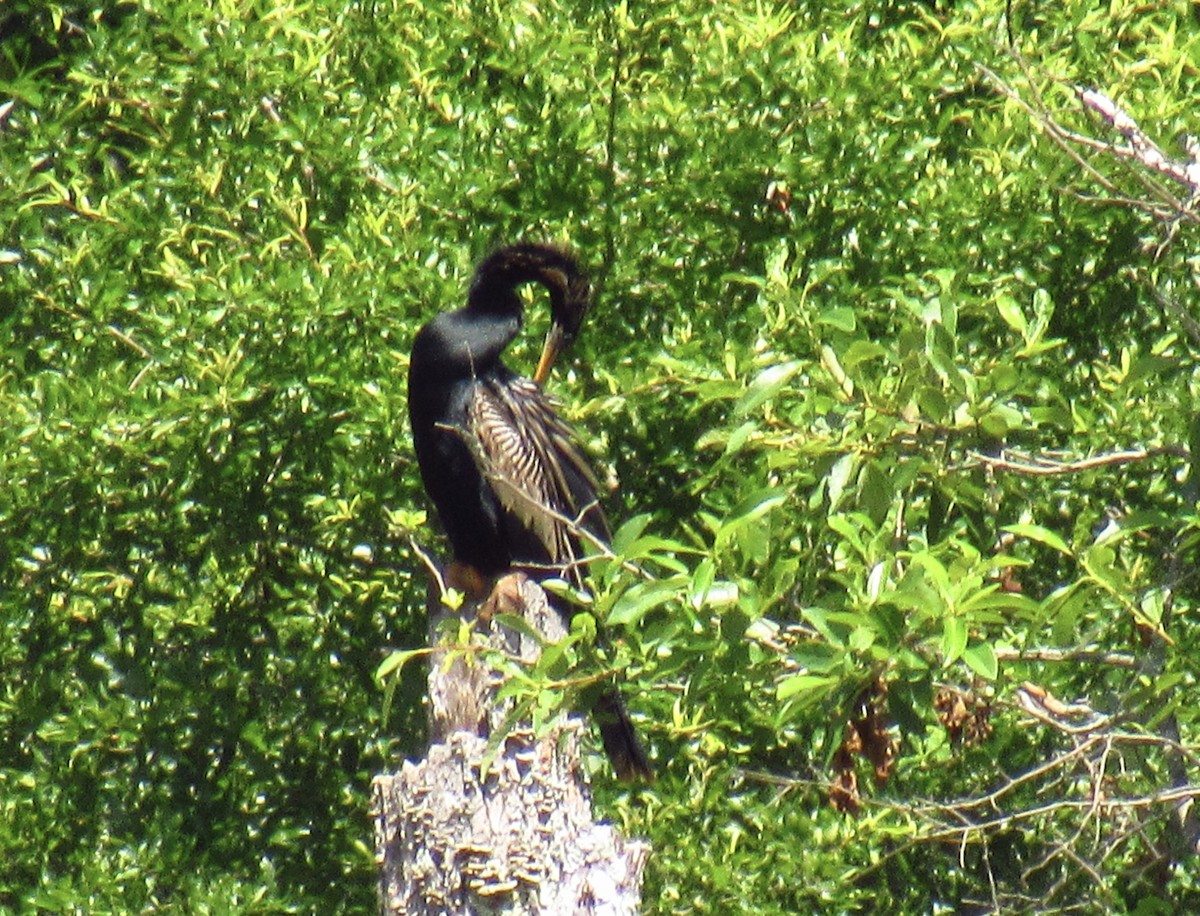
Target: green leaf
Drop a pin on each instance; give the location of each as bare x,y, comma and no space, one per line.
1001,420
738,438
954,639
701,581
839,317
629,532
395,662
838,477
798,685
748,511
766,385
981,658
1039,534
1011,312
860,352
641,598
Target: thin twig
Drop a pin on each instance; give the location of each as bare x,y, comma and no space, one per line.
1084,656
434,569
1037,466
128,341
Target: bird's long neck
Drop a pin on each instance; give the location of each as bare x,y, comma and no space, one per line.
496,279
467,343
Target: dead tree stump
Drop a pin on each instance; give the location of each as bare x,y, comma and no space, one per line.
510,832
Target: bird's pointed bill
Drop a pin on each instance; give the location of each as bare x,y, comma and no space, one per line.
555,341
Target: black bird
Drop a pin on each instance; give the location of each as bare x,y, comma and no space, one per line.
511,488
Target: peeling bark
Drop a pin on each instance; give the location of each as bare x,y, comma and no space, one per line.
468,831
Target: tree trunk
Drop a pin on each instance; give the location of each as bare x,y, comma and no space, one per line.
470,830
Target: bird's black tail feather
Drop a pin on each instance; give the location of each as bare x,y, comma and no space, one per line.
620,739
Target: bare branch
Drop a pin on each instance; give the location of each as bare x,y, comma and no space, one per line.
1047,708
1141,147
1038,466
1084,656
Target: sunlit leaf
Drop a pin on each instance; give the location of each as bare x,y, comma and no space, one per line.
1011,312
766,385
1041,535
981,658
800,684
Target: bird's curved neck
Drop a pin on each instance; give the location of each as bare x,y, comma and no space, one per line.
494,287
495,298
492,317
474,339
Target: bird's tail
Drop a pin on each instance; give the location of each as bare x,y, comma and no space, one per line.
620,739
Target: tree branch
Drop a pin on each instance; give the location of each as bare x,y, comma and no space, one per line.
1039,466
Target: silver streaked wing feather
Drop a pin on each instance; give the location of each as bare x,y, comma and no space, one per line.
528,455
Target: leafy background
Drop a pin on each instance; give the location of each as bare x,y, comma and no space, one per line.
841,271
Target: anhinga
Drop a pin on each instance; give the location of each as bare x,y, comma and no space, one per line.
511,488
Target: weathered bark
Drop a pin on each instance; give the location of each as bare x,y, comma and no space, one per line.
466,831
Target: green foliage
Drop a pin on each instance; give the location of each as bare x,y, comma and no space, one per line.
843,276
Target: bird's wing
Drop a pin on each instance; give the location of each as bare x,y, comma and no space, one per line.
528,455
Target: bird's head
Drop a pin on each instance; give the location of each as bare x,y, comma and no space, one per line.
558,270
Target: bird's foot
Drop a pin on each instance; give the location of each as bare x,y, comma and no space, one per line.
505,597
